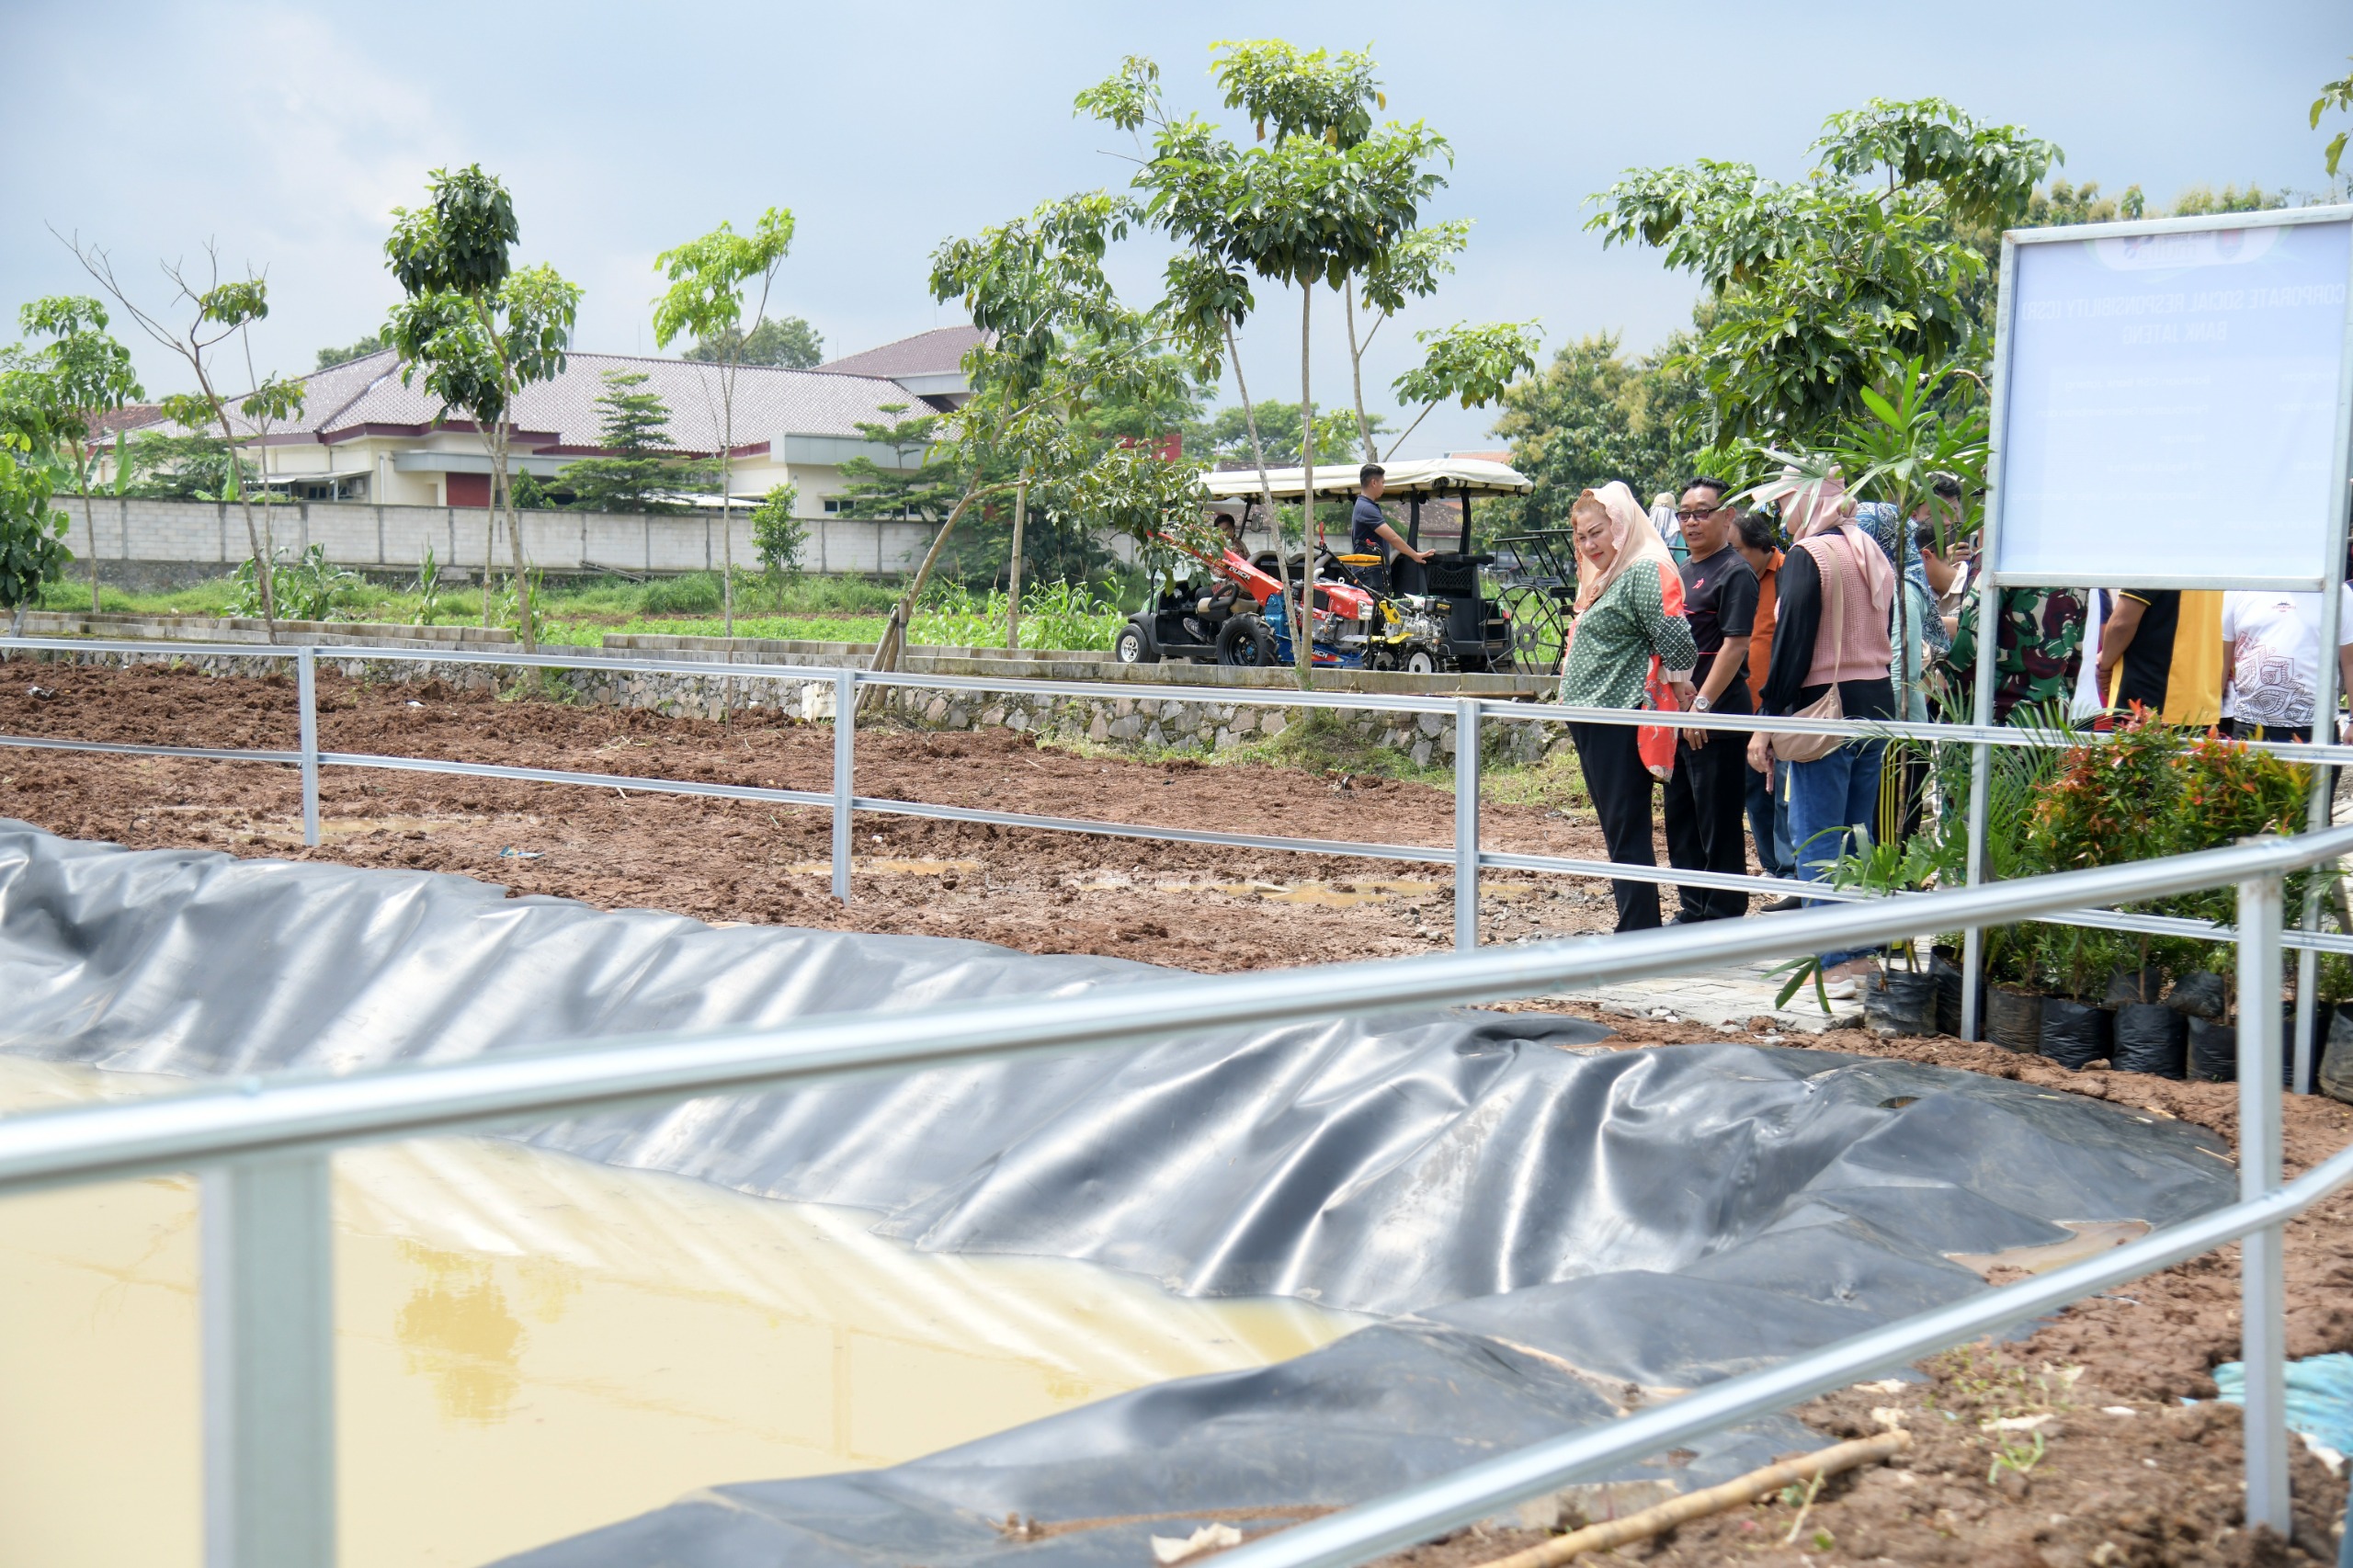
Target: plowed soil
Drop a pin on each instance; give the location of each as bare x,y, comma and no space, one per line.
2123,1472
1200,907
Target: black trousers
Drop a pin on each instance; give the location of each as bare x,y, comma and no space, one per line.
1621,788
1706,800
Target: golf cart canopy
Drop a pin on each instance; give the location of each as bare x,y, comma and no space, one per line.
1430,477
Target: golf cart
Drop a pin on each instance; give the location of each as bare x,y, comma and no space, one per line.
1428,616
1220,614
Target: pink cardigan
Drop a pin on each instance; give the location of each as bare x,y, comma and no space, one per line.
1859,648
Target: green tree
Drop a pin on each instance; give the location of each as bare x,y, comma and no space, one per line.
2201,200
273,401
68,383
786,342
778,537
705,300
642,472
1930,425
1591,417
915,486
215,310
1410,269
478,330
1325,202
1325,197
1468,366
2334,94
32,532
1829,285
1225,436
373,343
180,468
1059,348
2064,204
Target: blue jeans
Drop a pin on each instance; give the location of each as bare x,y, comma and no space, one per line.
1769,821
1829,798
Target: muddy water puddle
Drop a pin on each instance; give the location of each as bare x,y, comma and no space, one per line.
530,1345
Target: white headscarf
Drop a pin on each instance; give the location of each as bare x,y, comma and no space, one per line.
1631,536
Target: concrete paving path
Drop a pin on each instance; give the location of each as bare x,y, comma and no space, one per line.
1725,999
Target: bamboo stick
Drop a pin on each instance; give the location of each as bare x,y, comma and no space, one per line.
1714,1500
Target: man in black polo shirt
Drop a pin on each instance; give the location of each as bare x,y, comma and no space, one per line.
1709,789
1369,527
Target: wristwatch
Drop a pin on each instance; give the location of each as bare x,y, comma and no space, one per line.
1701,704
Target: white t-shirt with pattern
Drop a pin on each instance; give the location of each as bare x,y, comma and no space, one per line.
2272,641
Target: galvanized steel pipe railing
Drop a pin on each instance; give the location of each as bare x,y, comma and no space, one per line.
264,1145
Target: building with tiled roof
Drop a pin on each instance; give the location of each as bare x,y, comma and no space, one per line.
930,364
365,435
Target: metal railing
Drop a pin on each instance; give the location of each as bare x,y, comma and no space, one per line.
1469,714
262,1147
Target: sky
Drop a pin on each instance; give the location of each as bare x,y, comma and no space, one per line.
285,135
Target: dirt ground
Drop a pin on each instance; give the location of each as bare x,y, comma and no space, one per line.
1197,907
2116,1470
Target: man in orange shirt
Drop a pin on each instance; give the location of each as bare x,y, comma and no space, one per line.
1769,802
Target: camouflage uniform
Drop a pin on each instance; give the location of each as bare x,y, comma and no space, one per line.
2040,650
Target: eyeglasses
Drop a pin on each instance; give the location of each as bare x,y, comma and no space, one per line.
1688,514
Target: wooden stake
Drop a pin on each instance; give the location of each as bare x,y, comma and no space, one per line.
1714,1500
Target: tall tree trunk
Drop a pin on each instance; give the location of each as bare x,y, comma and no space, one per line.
90,520
488,546
503,481
895,636
246,504
1257,448
1356,371
1302,650
727,486
1013,588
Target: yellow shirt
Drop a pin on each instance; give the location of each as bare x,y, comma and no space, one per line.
2193,684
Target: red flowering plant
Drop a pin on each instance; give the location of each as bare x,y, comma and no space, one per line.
2229,792
2150,790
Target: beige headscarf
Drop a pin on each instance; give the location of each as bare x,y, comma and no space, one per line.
1810,504
1631,535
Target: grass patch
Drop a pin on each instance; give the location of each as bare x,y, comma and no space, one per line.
579,613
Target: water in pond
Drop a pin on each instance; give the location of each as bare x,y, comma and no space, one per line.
531,1344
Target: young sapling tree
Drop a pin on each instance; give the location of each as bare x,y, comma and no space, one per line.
478,330
215,311
705,302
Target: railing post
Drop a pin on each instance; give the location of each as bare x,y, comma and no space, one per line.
267,1314
844,755
1466,823
2263,1284
306,684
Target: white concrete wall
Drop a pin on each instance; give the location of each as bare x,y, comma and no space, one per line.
362,535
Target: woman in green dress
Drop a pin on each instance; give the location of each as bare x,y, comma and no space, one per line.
1629,648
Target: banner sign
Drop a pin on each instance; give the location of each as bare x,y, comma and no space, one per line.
2174,401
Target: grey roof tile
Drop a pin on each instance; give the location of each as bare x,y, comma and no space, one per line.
768,402
929,353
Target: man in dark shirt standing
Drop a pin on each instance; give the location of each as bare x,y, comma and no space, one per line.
1369,527
1709,789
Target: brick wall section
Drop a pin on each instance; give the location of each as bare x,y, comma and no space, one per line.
363,536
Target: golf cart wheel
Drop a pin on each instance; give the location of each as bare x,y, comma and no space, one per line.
1246,643
1537,640
1129,647
1421,662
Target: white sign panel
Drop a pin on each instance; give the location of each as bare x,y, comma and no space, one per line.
2172,404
